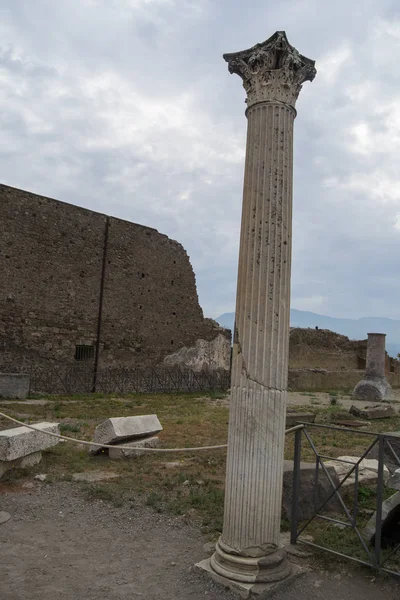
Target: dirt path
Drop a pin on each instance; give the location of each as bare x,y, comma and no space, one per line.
58,545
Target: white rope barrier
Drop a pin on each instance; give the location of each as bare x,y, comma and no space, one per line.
84,442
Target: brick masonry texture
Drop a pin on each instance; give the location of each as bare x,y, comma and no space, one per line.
53,256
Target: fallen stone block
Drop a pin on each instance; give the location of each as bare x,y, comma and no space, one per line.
389,459
367,470
390,522
14,385
309,498
123,429
20,463
394,481
21,441
372,389
120,451
341,415
373,412
352,424
4,517
294,417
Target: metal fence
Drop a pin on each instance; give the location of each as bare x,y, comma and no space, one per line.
70,380
380,554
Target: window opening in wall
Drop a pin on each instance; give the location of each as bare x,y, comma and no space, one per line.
84,352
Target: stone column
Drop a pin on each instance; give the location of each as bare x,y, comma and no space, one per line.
248,551
374,386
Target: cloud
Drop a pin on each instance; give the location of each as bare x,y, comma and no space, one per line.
331,65
311,303
126,107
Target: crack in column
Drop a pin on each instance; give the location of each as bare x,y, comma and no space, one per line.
245,368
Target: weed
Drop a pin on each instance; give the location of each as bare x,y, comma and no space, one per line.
69,427
99,492
215,395
155,500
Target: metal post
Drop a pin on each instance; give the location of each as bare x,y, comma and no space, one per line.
296,485
379,501
316,483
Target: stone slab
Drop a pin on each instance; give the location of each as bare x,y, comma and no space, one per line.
20,463
389,459
374,412
306,508
367,470
294,417
394,481
4,517
123,429
14,385
120,451
21,441
389,508
250,590
372,389
352,424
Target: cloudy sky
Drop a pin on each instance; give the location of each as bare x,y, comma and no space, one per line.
127,107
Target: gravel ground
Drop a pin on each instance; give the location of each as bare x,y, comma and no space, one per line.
58,545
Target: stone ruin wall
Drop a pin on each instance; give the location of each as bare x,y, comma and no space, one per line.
322,360
324,349
52,259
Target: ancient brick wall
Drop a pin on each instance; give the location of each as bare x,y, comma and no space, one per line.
61,266
324,349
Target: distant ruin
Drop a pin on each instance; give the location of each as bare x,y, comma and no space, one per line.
79,287
322,360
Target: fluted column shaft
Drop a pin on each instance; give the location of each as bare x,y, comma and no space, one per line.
260,355
248,551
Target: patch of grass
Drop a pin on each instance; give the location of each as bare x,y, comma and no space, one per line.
155,500
105,493
365,494
215,395
335,407
66,427
188,420
346,541
285,525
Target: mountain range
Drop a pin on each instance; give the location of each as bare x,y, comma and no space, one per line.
355,329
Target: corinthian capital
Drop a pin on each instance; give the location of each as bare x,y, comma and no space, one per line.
272,71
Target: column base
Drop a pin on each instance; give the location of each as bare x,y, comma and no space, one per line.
264,568
372,389
250,590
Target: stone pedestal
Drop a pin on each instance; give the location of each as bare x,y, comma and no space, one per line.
374,386
248,551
